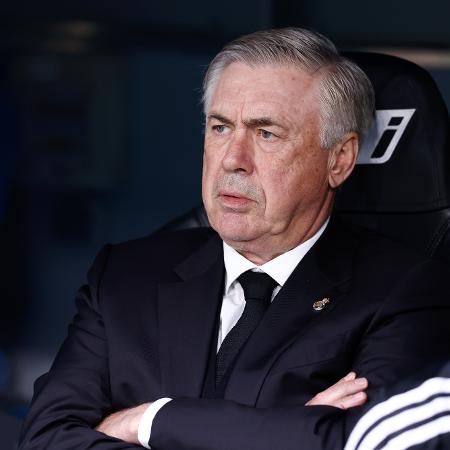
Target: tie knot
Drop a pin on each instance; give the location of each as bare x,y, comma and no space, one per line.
257,285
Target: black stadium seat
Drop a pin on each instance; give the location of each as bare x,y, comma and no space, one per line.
401,185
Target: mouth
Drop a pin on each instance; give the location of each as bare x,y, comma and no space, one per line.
234,200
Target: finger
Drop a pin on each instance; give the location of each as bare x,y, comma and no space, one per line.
351,401
342,389
350,376
329,391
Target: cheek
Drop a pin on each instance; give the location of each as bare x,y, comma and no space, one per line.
212,153
210,174
278,189
293,185
208,166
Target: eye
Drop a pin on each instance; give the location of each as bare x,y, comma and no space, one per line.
219,129
266,135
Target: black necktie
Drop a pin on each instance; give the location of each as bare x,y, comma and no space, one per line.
258,288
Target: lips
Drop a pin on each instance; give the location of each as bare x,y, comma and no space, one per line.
234,200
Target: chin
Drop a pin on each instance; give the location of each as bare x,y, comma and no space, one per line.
233,229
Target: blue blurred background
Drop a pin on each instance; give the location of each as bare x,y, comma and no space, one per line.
101,133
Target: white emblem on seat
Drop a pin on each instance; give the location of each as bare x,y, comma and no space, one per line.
384,135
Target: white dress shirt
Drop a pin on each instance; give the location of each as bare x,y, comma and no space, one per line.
233,303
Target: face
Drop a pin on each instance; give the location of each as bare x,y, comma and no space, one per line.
265,176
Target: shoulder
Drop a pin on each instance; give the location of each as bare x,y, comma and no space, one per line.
154,255
378,250
386,269
382,263
170,244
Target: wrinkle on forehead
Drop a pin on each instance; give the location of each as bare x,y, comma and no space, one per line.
275,92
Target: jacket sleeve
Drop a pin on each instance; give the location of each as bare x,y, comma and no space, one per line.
409,329
73,397
188,424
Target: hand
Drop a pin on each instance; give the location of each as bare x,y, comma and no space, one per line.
347,393
123,424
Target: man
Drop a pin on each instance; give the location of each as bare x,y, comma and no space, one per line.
181,342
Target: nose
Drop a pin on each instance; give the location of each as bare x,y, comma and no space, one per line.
239,154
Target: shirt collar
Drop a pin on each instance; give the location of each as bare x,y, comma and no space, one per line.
279,268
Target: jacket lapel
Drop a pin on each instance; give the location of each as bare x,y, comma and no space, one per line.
187,312
323,273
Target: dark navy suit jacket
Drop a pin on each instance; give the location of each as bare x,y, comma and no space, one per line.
144,330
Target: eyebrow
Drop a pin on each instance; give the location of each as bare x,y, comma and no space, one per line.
220,118
261,122
251,123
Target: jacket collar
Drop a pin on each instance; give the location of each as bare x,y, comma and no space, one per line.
188,310
323,273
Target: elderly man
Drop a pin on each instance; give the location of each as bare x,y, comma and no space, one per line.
219,340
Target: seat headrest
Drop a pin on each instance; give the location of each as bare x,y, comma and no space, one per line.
404,161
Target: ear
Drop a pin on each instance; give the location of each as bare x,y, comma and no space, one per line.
342,159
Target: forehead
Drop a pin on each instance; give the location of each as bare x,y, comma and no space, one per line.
268,89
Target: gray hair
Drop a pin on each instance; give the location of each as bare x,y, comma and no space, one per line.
346,95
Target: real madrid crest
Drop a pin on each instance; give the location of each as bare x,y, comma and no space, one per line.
320,304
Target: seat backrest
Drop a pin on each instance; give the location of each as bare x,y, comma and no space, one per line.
401,184
400,187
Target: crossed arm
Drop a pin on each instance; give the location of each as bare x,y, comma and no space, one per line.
73,402
347,393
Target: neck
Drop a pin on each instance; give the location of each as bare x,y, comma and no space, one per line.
270,247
